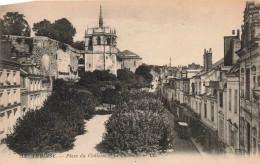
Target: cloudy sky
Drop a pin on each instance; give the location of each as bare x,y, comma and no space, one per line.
154,29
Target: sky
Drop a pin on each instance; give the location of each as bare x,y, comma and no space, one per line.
157,30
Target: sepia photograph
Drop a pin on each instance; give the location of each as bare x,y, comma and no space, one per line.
130,81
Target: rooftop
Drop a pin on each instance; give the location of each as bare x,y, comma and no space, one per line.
128,54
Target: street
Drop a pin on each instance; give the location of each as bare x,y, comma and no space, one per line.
179,145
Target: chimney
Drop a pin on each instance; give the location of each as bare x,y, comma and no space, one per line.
207,60
238,34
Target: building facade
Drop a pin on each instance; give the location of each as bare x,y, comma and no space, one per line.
34,90
100,48
129,60
249,77
10,105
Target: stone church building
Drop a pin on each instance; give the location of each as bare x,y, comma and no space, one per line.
101,52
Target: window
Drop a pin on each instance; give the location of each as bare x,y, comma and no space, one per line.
9,113
242,70
229,132
14,75
23,112
232,138
89,65
134,63
81,61
205,109
212,111
108,41
196,107
15,110
221,99
247,84
242,87
90,42
98,40
235,138
200,108
31,86
235,102
221,126
230,98
254,82
14,95
242,131
253,69
8,97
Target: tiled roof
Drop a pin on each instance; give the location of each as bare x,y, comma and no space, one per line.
128,54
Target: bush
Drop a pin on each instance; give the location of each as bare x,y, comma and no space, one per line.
135,127
40,131
54,127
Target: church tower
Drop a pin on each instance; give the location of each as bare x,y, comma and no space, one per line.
100,48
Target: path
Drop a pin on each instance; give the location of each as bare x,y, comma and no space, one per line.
87,142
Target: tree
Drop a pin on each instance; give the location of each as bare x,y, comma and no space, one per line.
110,96
43,28
15,24
61,30
104,75
144,71
80,45
124,75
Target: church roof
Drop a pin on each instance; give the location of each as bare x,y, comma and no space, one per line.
128,55
100,30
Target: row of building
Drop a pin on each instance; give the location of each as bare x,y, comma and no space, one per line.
221,101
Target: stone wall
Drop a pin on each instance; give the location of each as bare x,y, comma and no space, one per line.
50,55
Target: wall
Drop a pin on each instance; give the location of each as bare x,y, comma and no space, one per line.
131,64
45,52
